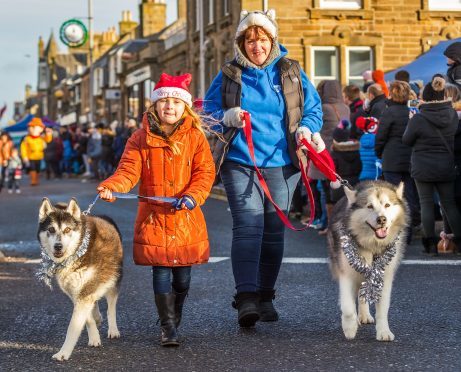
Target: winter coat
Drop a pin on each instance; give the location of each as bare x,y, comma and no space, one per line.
389,148
164,236
453,52
54,150
94,146
107,152
430,159
377,106
262,96
356,109
370,162
14,163
334,110
5,151
33,148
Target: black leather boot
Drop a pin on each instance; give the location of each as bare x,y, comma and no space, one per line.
247,305
180,297
267,312
430,246
165,308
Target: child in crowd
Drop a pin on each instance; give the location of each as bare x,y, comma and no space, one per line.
371,165
170,156
14,170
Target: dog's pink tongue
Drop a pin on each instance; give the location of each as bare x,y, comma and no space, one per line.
381,233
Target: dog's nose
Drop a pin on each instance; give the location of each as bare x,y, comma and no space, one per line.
58,246
381,220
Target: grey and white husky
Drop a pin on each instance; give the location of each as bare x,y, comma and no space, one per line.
366,241
85,255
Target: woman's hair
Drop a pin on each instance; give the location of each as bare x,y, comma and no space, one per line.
255,32
352,92
400,91
452,92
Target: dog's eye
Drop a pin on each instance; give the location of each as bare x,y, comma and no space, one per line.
387,205
51,230
370,206
67,230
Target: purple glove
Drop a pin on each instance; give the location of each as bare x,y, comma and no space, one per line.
188,201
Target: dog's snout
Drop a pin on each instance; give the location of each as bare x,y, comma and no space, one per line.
381,220
58,246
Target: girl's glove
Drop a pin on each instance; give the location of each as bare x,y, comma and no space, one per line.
185,202
233,118
303,132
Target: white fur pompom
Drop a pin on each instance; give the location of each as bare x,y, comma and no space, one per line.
271,14
243,14
335,184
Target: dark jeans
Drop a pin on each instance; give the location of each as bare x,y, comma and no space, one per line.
13,184
409,192
446,192
258,233
161,278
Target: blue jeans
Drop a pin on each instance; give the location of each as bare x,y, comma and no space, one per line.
258,233
161,278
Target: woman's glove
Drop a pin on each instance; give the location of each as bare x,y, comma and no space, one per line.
233,118
185,202
317,142
303,133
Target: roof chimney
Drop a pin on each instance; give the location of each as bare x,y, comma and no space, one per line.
126,25
153,16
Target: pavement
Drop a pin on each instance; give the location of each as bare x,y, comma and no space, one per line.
424,315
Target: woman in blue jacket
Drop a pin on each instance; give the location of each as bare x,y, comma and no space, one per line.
284,108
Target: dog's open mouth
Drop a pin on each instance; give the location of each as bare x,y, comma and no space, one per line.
380,232
58,254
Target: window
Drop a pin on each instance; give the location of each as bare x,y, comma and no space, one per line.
324,64
358,60
225,7
444,4
340,4
197,15
211,12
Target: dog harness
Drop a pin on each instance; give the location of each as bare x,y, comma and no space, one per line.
49,268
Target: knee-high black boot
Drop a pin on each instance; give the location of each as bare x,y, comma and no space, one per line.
180,297
165,308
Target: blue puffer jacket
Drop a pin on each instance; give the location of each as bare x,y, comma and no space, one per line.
371,165
262,97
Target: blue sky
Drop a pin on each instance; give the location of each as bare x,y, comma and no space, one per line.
23,21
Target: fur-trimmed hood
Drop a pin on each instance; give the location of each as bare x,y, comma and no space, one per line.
347,146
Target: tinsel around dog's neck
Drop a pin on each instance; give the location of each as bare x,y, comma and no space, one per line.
372,287
49,268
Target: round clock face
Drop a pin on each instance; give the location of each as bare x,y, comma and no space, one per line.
73,33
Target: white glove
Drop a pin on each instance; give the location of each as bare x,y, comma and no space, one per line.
317,142
232,118
303,132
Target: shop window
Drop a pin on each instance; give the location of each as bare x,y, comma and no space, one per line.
444,5
340,4
324,64
358,60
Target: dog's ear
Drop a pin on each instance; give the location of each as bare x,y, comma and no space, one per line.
351,195
45,209
74,209
399,190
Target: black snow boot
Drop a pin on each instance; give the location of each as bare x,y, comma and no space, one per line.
247,305
165,308
180,297
267,312
430,246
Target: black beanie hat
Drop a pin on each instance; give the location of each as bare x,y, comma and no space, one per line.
435,90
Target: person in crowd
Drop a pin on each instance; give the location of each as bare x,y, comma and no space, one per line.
371,165
375,103
33,149
346,157
53,153
396,156
334,112
170,156
6,145
81,148
14,170
260,80
367,80
404,75
68,153
107,153
352,98
118,145
431,134
378,78
453,54
94,149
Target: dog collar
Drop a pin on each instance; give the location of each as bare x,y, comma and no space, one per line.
49,268
371,289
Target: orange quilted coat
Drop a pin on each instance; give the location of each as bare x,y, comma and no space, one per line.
164,236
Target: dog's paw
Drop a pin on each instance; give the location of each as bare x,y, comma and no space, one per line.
61,355
366,319
350,328
95,342
384,335
113,333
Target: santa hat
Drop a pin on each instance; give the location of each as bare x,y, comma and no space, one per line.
36,122
173,87
266,20
367,125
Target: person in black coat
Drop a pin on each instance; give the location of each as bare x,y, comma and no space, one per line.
376,102
431,134
453,54
351,96
394,154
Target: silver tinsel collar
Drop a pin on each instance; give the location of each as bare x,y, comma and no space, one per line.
370,290
49,268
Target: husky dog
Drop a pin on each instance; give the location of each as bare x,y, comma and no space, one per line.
85,254
368,229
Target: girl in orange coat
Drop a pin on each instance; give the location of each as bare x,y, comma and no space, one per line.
170,156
